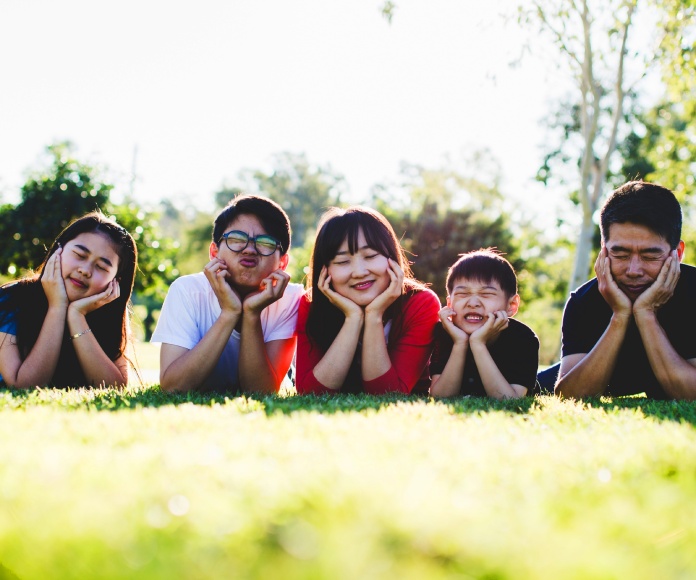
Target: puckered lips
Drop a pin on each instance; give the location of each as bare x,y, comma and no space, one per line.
249,262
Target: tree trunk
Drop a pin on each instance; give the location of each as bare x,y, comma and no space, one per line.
583,252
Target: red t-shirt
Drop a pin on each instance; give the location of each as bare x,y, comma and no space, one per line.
409,352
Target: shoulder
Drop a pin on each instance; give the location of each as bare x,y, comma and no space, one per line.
190,283
520,331
687,274
290,298
424,299
587,291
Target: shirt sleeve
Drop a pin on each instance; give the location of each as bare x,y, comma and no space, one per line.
410,351
177,324
308,356
8,316
442,350
283,324
522,359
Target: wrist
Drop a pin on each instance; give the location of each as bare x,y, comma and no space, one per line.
620,318
644,314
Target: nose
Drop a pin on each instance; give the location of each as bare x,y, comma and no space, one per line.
85,270
474,300
635,267
250,248
359,267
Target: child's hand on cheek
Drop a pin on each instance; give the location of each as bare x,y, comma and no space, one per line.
488,333
447,315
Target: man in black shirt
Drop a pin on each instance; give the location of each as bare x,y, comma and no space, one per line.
631,329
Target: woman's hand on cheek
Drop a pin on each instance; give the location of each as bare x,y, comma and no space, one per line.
89,304
396,285
345,305
52,281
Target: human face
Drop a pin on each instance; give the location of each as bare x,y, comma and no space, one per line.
636,255
473,300
89,262
362,276
247,269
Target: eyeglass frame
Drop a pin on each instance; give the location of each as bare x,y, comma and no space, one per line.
251,239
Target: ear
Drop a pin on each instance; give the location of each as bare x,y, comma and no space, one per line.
680,250
449,302
513,305
213,250
284,260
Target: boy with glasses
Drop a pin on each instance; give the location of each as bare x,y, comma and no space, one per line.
232,326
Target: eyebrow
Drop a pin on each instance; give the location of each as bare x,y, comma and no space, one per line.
87,250
344,252
655,250
463,287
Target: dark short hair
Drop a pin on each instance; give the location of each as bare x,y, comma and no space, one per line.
646,204
274,220
485,265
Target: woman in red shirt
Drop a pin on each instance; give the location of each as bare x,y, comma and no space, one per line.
366,324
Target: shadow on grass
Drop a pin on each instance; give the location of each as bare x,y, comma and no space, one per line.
135,398
678,411
153,396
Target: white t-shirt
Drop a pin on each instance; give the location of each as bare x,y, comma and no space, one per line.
191,308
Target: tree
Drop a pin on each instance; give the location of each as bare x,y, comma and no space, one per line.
302,189
593,40
50,199
440,213
64,189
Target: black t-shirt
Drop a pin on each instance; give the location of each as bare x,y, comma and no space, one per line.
515,353
587,316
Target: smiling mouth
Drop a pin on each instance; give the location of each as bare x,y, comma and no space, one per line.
364,285
77,283
473,318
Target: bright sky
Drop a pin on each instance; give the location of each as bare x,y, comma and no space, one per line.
207,88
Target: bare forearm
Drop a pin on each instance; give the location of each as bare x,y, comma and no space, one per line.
256,372
375,356
591,375
676,376
190,370
39,367
449,383
494,383
98,368
332,370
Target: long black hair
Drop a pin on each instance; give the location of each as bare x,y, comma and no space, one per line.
336,226
109,323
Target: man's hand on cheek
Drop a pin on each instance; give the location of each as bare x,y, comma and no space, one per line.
216,273
608,288
271,289
662,289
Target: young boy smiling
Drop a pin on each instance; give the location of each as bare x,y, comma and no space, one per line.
479,349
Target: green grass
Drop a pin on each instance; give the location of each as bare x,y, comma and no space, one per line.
142,484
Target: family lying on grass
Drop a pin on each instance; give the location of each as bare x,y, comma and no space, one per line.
365,323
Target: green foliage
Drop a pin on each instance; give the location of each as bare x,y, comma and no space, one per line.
441,213
302,189
51,198
65,189
143,484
